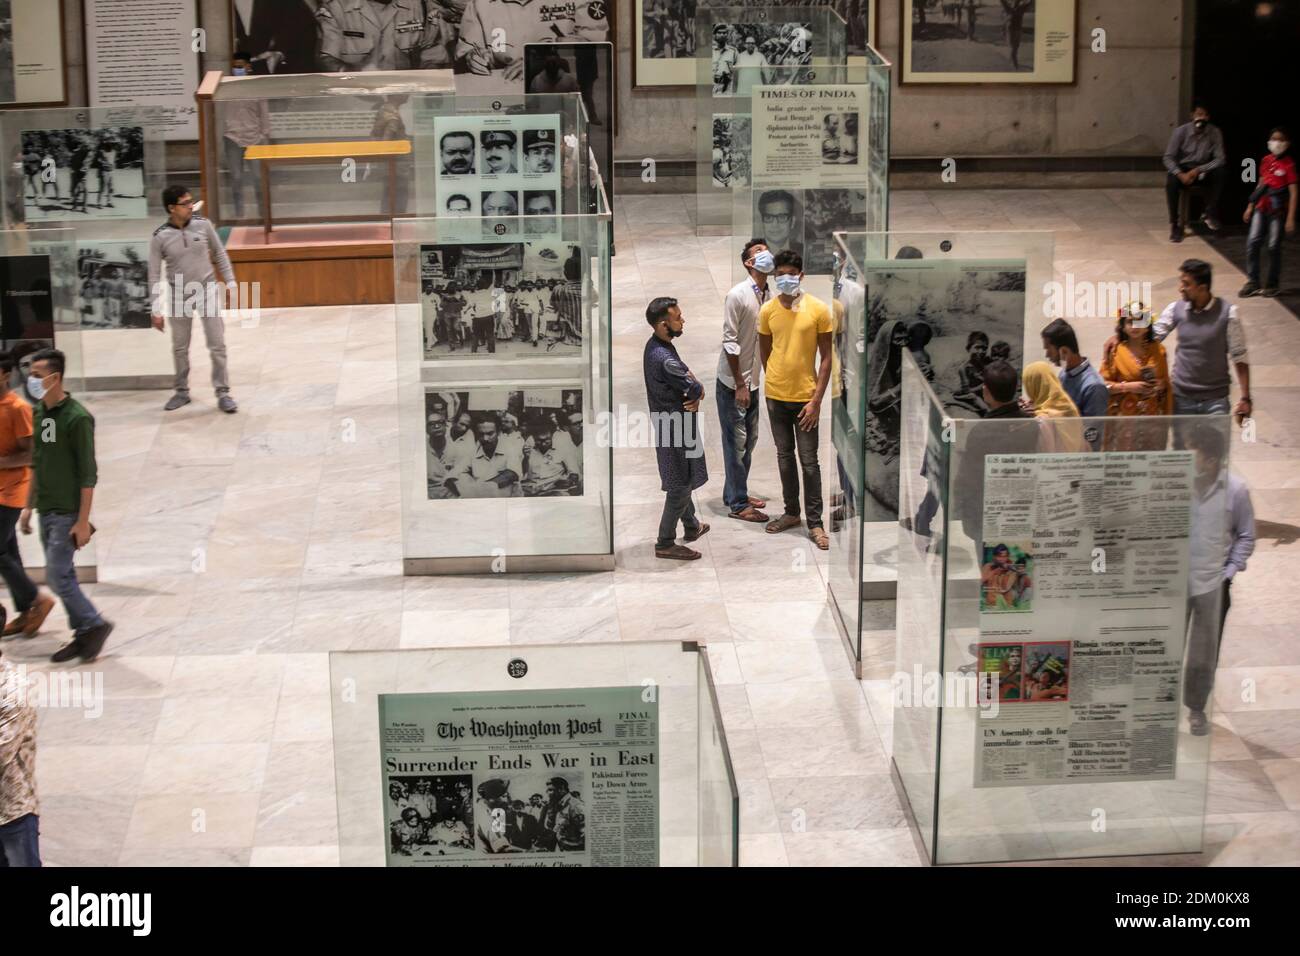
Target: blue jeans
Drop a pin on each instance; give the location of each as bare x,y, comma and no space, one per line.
1265,229
61,576
739,436
1192,406
19,842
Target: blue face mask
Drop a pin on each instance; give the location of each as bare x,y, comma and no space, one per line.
238,71
764,263
787,285
35,387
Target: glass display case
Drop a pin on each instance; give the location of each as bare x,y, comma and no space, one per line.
546,755
98,172
38,273
750,49
1060,592
954,301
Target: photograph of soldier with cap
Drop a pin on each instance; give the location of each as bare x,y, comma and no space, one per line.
539,151
499,151
532,813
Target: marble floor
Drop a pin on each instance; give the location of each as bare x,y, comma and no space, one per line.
236,551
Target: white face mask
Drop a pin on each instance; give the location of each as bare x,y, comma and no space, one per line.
35,387
787,285
1277,146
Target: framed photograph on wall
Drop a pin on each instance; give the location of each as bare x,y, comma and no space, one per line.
987,41
663,34
34,30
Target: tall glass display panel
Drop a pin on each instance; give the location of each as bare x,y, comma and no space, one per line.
740,48
615,751
38,270
503,335
954,301
99,171
1058,630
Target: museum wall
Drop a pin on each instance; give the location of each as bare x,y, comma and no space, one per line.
1124,110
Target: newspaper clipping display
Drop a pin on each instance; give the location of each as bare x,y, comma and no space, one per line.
1083,590
521,778
810,135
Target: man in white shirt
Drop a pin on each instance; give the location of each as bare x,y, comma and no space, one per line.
442,455
739,371
750,56
489,472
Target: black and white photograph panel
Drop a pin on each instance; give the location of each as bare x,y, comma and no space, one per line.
430,816
531,813
973,36
504,443
484,64
732,149
840,139
778,217
500,155
457,153
76,174
500,300
955,318
743,52
827,211
113,285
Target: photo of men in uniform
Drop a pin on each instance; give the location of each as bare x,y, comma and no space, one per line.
430,816
533,813
113,285
539,151
525,443
499,151
485,65
84,174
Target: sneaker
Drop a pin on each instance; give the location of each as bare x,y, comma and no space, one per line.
179,400
29,622
227,404
1270,293
678,552
1176,233
1211,223
92,641
1198,724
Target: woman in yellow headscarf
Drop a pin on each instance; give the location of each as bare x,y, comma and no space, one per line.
1059,426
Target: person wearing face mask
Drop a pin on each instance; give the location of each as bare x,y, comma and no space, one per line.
739,371
1136,373
63,490
1223,538
794,329
673,395
1194,159
1271,210
245,122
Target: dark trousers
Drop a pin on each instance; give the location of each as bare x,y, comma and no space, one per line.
485,332
20,842
15,577
1205,616
1210,187
1265,231
678,506
789,437
739,436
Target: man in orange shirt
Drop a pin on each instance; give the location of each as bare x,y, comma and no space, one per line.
15,478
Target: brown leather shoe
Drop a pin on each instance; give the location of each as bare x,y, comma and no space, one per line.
700,533
749,514
678,552
783,523
29,622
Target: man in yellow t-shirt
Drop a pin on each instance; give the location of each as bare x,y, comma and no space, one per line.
794,341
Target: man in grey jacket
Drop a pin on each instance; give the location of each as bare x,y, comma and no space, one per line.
189,245
1194,159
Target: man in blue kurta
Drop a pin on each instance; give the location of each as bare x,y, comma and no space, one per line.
673,395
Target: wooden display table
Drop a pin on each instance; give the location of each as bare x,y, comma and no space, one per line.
291,153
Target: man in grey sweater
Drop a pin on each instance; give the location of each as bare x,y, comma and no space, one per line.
188,245
1194,159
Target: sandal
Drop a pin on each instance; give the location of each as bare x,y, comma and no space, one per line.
700,532
759,503
820,538
783,523
749,514
678,552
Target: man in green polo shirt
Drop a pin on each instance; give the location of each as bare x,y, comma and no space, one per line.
62,490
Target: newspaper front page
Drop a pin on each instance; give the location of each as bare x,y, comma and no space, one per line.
521,778
1083,593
